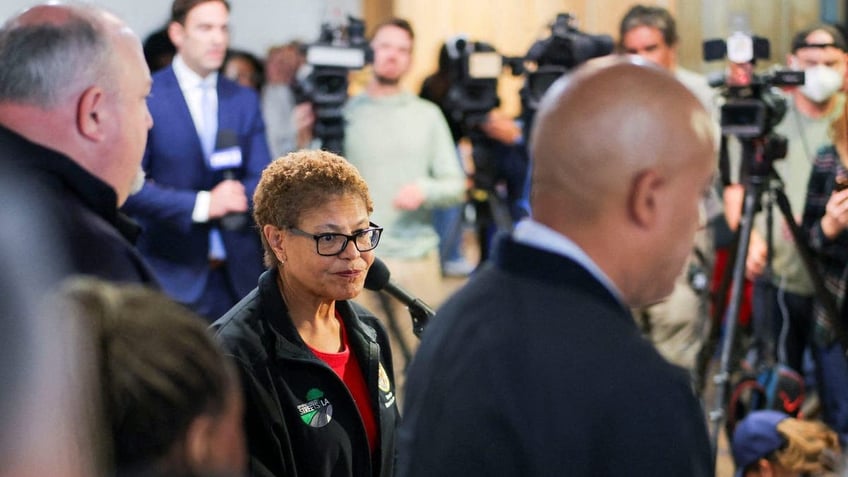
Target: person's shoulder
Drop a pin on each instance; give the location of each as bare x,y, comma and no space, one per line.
164,77
687,75
230,88
356,101
697,84
421,103
240,331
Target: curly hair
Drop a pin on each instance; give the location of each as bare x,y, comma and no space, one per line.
301,181
811,447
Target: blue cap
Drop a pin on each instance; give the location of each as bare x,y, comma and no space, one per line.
755,437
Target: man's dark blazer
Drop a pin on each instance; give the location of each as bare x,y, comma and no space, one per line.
176,247
90,235
534,368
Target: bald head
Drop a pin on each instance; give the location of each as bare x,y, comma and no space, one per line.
601,125
623,154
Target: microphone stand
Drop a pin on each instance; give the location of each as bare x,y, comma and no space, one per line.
421,314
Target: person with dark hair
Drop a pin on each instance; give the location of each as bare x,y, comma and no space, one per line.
244,68
203,159
73,118
316,367
159,51
782,305
535,367
773,444
170,398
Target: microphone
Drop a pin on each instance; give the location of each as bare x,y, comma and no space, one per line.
379,279
227,158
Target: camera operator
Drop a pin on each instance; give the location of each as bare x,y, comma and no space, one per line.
675,325
782,302
402,146
448,88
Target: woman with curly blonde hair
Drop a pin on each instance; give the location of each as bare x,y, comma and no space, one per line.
773,444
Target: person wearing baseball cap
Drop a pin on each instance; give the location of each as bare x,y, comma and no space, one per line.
773,444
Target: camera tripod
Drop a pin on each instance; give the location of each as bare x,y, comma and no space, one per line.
758,154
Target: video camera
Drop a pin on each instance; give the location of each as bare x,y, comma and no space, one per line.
338,51
474,68
563,50
752,105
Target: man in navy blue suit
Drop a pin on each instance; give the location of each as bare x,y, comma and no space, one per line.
204,157
536,366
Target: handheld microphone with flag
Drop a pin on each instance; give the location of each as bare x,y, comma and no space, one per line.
379,279
227,159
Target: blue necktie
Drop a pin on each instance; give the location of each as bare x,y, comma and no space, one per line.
208,132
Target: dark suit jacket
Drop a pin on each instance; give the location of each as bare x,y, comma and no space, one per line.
535,369
176,247
79,209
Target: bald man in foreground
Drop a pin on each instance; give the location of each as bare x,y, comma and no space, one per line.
535,367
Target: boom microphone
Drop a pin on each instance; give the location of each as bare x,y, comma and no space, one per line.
379,279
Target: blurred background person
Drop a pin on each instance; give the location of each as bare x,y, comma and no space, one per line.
159,51
278,99
402,146
824,226
497,166
651,32
316,367
773,444
244,68
171,404
203,159
73,119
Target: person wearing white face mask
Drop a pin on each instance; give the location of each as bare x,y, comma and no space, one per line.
782,302
820,83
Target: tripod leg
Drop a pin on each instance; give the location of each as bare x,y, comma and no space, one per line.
722,378
719,304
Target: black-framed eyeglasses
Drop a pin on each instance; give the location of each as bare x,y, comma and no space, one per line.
331,244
